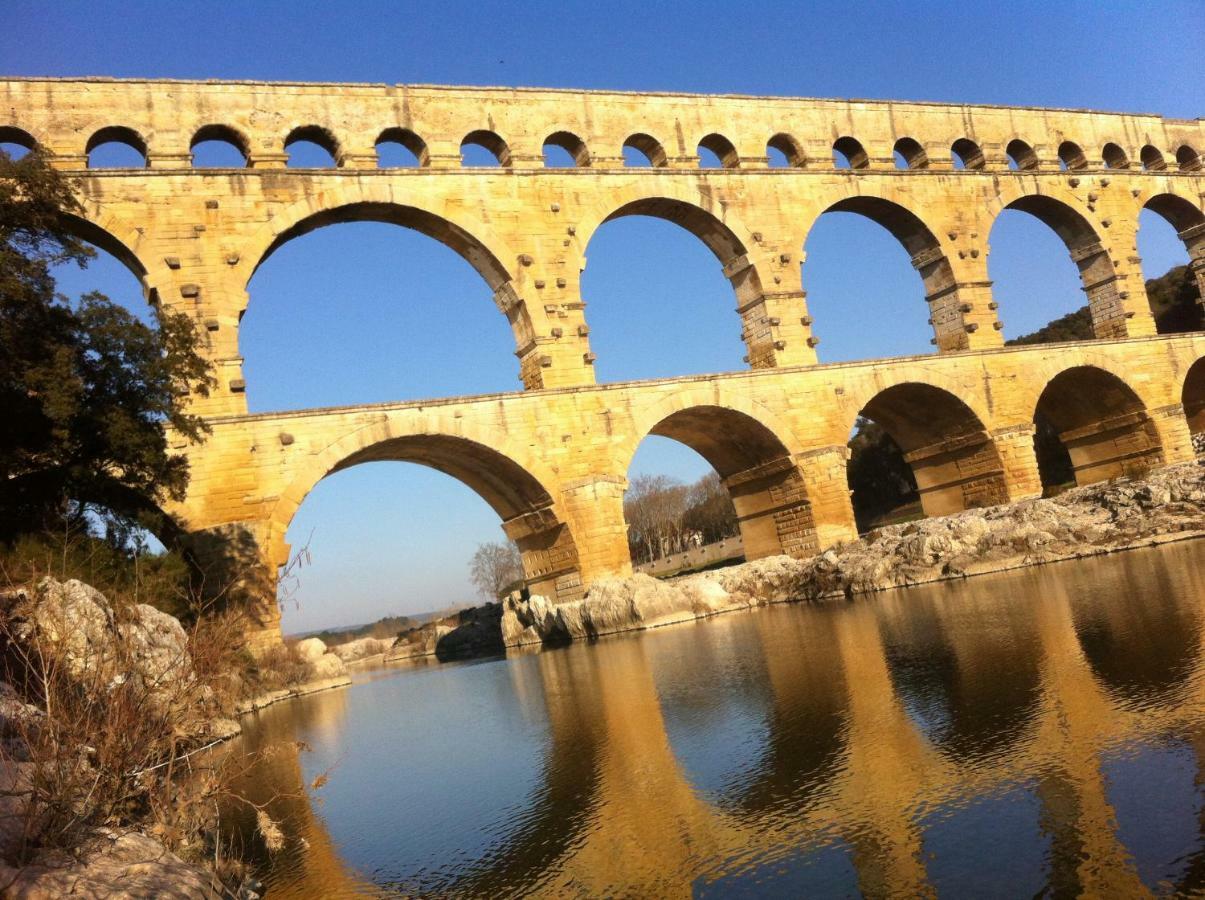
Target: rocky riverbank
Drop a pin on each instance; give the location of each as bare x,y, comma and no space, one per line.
105,702
1088,521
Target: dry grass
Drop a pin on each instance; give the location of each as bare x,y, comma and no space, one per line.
96,740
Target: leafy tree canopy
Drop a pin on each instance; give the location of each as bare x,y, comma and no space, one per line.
87,392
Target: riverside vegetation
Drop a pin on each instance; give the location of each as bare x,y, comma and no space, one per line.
108,691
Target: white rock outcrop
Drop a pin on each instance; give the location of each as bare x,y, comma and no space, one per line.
309,649
159,646
361,648
322,663
76,618
1084,521
79,623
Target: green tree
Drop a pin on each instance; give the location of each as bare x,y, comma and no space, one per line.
1076,326
87,392
1176,301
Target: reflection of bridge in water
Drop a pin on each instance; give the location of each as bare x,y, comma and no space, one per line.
872,719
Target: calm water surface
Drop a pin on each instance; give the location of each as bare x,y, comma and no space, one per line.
1040,733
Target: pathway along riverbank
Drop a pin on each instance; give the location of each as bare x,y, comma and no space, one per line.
1168,505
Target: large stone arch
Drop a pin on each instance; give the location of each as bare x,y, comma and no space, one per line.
947,444
115,238
474,242
1101,421
527,507
22,137
755,461
707,218
1189,221
1083,240
948,300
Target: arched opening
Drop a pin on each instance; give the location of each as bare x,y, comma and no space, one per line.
1021,156
375,312
966,154
1114,157
218,147
1188,159
717,152
1193,398
564,150
16,143
388,540
642,150
848,153
401,148
109,272
909,154
1171,244
312,147
883,285
784,152
952,460
651,275
116,147
1033,283
1152,159
1099,423
1071,157
754,490
484,149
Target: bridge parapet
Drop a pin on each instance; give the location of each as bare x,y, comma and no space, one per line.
164,119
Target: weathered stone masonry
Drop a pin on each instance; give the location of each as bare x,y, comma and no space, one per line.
552,459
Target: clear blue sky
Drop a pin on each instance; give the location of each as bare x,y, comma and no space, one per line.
337,317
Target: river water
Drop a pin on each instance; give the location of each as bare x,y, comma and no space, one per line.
1040,732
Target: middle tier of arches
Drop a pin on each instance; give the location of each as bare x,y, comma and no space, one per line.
529,243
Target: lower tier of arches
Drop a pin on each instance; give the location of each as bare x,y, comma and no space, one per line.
973,430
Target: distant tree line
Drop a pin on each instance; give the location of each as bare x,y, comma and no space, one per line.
666,516
385,628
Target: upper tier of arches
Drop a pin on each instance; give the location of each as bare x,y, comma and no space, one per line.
709,136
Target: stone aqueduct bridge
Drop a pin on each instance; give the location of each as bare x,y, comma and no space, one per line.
551,460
